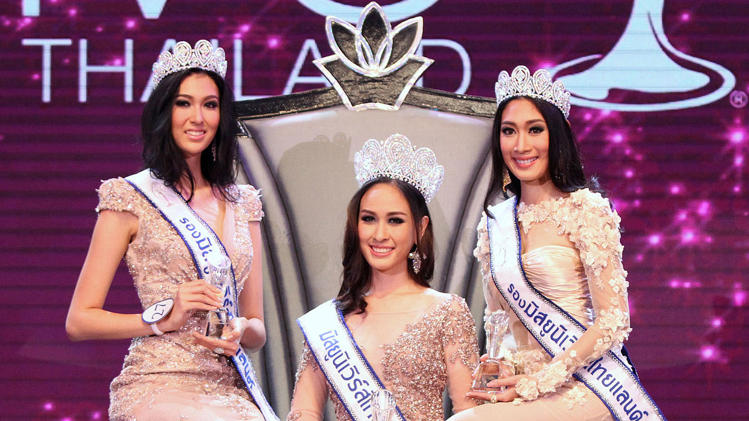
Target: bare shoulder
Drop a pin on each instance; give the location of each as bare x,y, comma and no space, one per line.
444,299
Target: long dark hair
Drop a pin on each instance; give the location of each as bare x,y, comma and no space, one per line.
565,164
356,271
161,153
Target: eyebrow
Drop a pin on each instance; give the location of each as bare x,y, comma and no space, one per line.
537,120
397,213
191,97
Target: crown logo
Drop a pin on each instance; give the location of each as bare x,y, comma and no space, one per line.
203,56
396,158
539,86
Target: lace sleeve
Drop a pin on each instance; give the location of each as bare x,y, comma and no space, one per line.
116,194
595,233
250,198
310,390
461,352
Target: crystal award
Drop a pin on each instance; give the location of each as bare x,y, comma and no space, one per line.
383,405
495,366
219,272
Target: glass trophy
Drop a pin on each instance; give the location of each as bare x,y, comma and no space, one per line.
383,405
495,367
219,272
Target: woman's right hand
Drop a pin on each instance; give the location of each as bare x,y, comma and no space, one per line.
191,296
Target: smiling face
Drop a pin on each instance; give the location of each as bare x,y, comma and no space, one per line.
195,114
524,142
386,229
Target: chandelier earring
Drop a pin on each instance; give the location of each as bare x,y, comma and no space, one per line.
415,257
213,150
506,180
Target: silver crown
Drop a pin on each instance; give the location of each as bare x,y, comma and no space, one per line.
396,158
539,86
203,56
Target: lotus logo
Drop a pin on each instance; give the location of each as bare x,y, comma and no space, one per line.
372,41
364,54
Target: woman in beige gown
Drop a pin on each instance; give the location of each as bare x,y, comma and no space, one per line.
172,371
417,340
570,252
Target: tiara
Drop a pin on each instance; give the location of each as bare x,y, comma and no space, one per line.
396,158
539,86
203,56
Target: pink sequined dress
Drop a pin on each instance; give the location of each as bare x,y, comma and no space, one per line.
415,353
170,377
573,255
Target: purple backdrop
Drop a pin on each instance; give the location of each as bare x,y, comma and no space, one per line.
677,176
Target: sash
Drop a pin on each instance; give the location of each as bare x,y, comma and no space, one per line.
347,370
610,377
202,242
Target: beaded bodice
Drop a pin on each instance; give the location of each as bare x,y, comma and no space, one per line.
436,349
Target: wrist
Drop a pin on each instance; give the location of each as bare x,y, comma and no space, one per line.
166,325
158,331
156,313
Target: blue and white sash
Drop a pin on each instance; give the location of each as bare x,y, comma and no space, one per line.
202,242
347,370
610,377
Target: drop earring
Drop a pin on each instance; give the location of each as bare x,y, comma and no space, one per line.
415,260
506,180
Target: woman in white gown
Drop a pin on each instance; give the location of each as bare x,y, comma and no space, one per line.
564,244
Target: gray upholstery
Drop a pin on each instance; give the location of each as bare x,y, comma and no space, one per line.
303,162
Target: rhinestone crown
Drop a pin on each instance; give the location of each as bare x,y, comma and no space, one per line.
203,56
396,158
539,86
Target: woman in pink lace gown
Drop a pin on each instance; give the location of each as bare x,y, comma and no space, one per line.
172,371
571,253
418,341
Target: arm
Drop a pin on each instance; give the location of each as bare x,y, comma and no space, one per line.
310,390
461,352
86,317
115,227
597,237
251,298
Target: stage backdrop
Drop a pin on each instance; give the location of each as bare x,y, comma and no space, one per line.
660,90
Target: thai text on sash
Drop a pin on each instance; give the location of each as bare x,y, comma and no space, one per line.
347,373
608,377
201,241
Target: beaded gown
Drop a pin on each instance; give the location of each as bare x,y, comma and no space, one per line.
572,254
170,377
415,353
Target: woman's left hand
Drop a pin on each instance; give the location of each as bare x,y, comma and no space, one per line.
228,343
507,396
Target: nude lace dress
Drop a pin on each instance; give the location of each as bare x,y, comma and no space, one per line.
170,377
416,354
